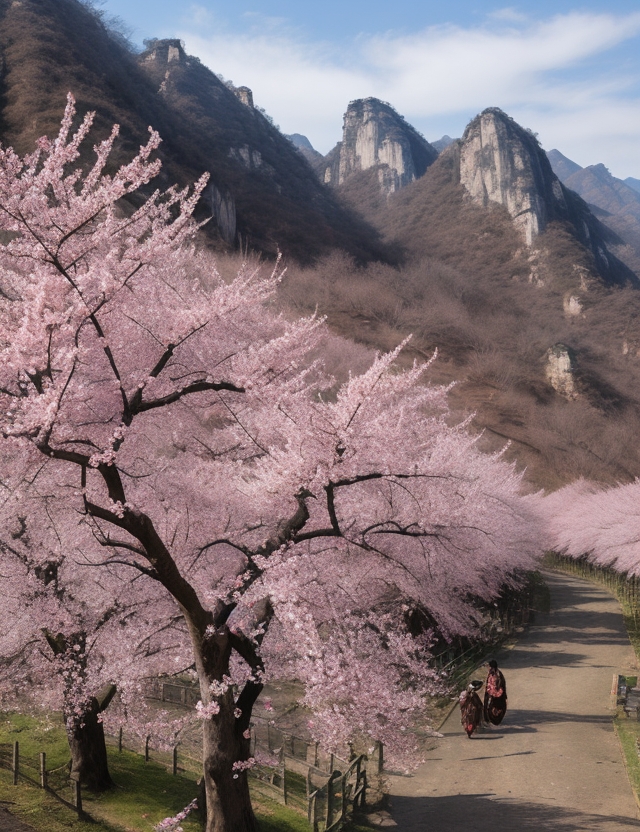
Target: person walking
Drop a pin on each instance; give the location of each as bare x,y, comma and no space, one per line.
471,708
495,695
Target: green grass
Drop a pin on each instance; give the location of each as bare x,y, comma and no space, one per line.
145,793
628,731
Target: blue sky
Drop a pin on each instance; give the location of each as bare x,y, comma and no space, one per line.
569,71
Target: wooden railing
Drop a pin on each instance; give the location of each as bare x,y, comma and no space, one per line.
57,782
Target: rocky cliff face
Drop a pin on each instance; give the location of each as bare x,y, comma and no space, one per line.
375,137
501,162
262,193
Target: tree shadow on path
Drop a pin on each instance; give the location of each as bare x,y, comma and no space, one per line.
480,813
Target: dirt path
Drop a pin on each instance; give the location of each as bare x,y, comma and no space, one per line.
555,763
9,823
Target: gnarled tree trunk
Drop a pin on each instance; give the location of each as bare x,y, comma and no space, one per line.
228,806
226,738
89,764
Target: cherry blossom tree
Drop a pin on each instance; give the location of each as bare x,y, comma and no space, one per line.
601,523
182,434
70,640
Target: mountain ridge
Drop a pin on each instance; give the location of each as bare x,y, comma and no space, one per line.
51,47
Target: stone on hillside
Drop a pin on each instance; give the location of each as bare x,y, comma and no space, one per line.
559,371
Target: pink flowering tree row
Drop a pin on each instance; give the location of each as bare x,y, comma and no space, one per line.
601,523
187,464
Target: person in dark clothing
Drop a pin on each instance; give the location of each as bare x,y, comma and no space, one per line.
495,695
471,708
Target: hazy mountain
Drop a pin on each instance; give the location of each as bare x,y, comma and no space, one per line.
615,202
304,146
632,183
561,165
443,143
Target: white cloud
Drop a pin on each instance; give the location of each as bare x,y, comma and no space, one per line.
446,72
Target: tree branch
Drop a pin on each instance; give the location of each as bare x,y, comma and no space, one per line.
195,387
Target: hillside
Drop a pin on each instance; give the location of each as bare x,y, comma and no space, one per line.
530,297
618,206
504,315
263,195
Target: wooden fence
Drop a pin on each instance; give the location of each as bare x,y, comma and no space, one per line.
327,788
300,773
179,759
318,784
57,782
626,588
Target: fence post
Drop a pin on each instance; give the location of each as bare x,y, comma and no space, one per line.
331,798
77,796
380,756
16,762
363,793
329,817
174,760
146,749
120,739
43,770
284,775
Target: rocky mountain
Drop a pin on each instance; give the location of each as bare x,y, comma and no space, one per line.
613,200
263,194
501,162
377,139
561,165
632,183
511,277
443,143
598,187
478,250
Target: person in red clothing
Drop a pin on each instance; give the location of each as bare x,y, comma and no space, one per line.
471,708
495,695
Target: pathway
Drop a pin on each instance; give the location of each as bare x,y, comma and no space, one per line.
555,762
9,823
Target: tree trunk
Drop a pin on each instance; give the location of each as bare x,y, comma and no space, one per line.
88,750
228,806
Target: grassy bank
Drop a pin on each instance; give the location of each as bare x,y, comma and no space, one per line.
145,793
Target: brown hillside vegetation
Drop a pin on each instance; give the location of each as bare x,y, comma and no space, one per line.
493,308
51,47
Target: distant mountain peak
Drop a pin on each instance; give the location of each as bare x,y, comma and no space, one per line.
502,162
632,183
165,50
443,143
376,137
561,165
299,140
